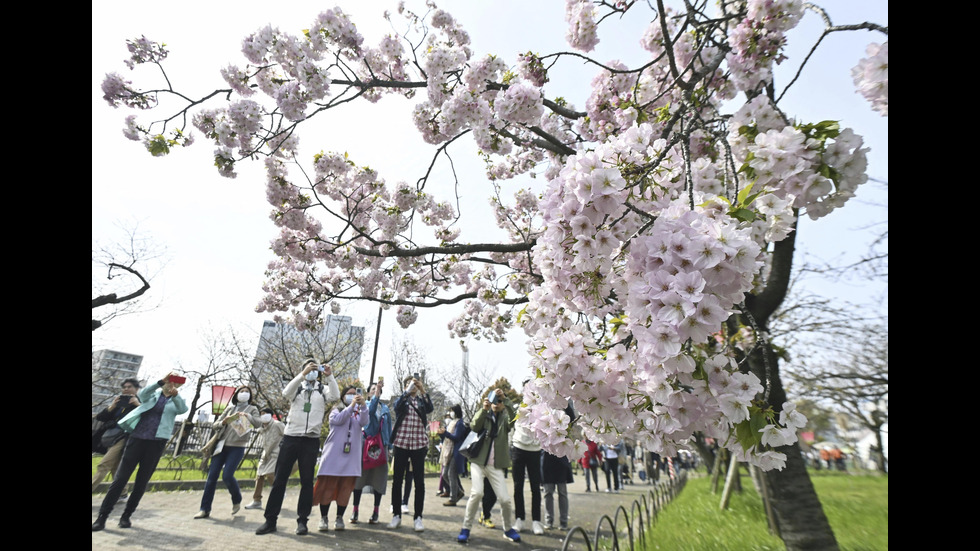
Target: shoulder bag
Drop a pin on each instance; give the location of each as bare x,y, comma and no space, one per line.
374,452
473,443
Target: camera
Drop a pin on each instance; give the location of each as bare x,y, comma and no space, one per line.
359,391
492,397
416,375
322,368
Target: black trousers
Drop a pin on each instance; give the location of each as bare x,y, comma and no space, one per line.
294,449
144,453
523,461
401,458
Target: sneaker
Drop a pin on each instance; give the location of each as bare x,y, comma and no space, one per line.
202,514
396,521
353,518
537,528
464,536
418,525
338,524
324,525
487,522
588,490
519,524
512,535
564,528
235,507
374,518
608,490
301,528
254,505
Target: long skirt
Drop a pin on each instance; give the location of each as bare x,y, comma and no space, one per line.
333,488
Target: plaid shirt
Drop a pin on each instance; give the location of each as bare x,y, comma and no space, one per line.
411,433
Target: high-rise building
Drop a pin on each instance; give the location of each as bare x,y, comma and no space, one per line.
109,369
282,349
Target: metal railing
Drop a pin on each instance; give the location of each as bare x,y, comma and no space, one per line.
634,525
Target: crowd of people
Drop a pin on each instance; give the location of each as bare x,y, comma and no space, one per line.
367,440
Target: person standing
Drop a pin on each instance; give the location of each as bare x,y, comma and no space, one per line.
301,442
452,435
556,473
150,425
340,463
230,449
269,435
120,406
525,455
590,465
610,460
410,442
489,463
375,477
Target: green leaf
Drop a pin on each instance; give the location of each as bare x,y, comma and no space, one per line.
744,215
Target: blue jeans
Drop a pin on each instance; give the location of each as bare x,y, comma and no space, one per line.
226,463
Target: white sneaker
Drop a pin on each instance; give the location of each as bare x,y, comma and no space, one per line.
254,505
324,525
338,524
396,521
418,525
519,524
537,528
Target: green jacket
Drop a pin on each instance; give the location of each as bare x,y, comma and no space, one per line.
499,431
149,396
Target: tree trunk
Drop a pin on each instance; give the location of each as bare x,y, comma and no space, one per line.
800,519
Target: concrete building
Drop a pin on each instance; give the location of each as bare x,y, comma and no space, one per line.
109,369
282,349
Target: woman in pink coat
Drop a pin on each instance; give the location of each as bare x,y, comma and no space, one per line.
340,462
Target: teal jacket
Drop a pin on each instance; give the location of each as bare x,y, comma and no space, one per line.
501,448
149,396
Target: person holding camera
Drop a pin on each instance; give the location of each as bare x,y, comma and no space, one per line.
301,442
489,463
120,406
237,421
340,462
150,425
269,435
410,443
377,476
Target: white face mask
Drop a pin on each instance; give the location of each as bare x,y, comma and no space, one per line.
348,398
244,396
311,376
266,417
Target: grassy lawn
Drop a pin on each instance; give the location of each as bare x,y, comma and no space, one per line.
855,505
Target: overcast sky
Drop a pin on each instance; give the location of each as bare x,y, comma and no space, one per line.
216,231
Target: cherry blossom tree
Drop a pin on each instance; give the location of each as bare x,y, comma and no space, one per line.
649,234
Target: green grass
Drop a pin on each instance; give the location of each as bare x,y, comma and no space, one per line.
856,507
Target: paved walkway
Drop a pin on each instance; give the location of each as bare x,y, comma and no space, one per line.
164,521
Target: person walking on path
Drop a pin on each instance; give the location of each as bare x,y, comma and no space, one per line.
150,426
269,435
556,472
237,422
590,465
410,441
376,477
489,463
452,436
301,442
343,452
610,460
525,456
120,406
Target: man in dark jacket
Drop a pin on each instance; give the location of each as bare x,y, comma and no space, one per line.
120,406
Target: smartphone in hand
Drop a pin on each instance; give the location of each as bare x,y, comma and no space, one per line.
177,379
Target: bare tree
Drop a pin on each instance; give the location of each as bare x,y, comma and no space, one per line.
121,274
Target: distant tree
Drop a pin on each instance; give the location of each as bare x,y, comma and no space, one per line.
121,274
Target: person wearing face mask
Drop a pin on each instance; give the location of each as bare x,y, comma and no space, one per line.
374,477
453,435
229,451
269,436
308,398
340,463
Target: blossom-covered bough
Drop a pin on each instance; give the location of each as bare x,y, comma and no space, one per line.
643,273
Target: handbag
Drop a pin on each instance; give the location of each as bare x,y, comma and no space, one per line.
112,435
374,452
208,449
593,462
472,444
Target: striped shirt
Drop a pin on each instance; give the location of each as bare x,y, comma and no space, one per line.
411,433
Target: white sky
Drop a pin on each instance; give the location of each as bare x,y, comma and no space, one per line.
216,231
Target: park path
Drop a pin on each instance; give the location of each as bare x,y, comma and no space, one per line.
164,521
